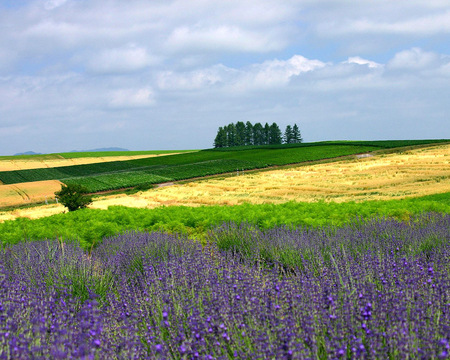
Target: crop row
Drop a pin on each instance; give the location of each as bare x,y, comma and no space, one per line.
187,165
359,292
117,181
89,226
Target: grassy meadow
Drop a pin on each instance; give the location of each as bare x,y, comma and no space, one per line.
342,259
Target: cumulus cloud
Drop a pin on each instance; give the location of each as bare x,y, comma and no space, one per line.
360,61
121,60
414,59
421,25
268,75
132,98
194,80
223,38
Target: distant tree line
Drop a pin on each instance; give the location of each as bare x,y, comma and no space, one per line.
241,134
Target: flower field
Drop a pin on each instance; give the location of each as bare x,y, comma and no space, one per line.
376,289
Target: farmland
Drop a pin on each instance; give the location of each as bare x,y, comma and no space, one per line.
18,194
412,173
194,164
339,259
393,176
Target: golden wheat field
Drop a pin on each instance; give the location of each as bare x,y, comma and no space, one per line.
30,192
413,173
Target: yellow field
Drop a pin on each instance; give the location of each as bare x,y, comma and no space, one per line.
413,173
21,164
23,193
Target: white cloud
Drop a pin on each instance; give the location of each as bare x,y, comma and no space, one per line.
119,60
223,38
132,98
421,25
192,80
265,76
360,61
415,59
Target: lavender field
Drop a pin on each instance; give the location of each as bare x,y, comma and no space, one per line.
378,289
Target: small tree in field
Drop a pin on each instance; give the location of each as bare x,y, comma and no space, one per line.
73,196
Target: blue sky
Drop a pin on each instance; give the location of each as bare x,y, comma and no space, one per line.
163,74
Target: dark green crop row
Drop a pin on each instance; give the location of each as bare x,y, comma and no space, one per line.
116,181
89,226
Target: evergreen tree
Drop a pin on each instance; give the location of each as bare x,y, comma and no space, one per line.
266,134
274,134
221,138
240,133
248,133
231,134
296,135
258,134
288,135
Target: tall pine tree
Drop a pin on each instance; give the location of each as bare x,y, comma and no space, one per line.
248,133
296,135
274,134
258,134
221,138
240,133
288,135
266,134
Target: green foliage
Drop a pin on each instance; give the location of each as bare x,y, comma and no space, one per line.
274,135
89,226
73,196
118,181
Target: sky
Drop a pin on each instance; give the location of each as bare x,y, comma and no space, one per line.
165,74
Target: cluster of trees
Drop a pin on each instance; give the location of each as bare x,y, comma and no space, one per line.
241,134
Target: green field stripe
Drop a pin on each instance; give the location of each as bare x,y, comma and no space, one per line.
117,181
